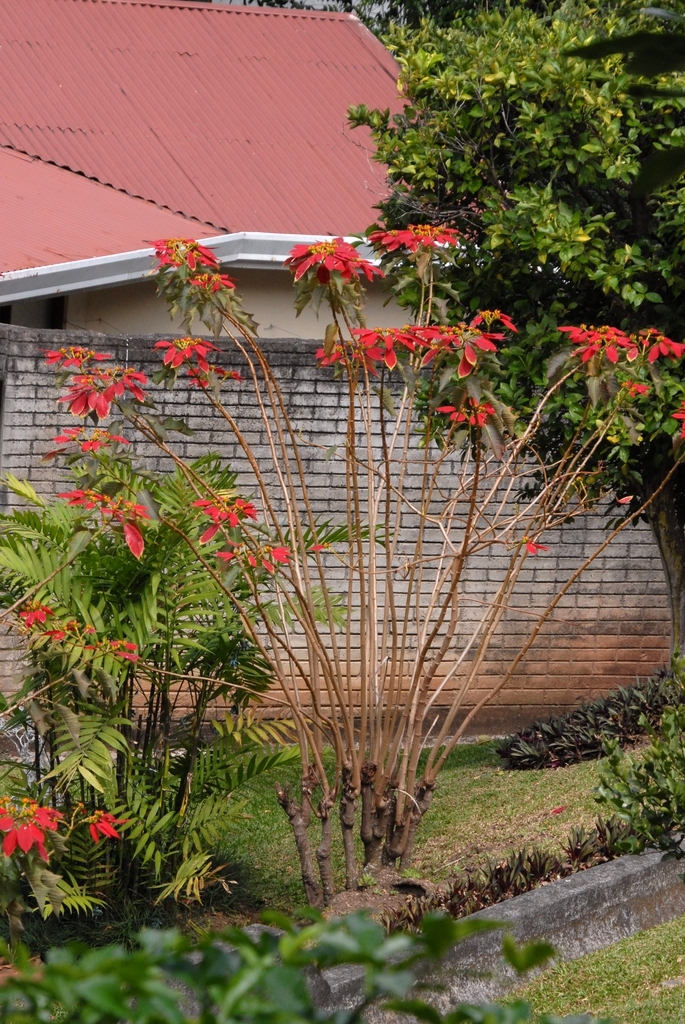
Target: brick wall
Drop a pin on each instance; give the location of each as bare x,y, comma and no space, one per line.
612,625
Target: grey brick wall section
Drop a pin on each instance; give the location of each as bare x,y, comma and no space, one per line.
612,625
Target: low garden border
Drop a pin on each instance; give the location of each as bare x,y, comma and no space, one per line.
577,915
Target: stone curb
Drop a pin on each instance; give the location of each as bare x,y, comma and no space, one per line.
586,912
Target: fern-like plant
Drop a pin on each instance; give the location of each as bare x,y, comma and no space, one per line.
139,685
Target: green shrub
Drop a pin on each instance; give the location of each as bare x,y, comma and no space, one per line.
648,792
522,871
623,715
256,981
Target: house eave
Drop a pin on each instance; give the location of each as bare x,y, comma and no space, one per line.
258,250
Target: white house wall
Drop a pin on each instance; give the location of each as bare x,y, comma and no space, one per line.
267,294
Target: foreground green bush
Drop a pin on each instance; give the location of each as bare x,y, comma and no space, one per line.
262,980
649,792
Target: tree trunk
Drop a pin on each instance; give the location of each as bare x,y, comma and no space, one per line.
374,817
323,853
401,837
348,807
299,815
666,516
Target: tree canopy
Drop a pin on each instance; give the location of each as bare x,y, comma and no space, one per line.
532,154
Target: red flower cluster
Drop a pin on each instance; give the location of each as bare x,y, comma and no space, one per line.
462,338
198,379
533,548
416,236
122,648
177,252
95,392
87,442
634,389
74,355
212,283
491,316
477,416
25,824
181,350
659,345
371,346
379,343
266,556
101,823
336,256
611,341
125,512
34,612
70,629
226,511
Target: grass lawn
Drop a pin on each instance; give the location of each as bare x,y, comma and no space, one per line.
478,810
623,982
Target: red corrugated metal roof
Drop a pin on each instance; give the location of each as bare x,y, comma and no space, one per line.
50,215
235,116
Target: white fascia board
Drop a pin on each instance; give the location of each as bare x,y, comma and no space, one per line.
256,249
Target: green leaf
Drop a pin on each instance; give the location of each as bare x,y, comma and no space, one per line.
440,931
523,958
23,488
78,543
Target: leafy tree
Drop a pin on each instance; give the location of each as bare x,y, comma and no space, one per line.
380,15
650,55
532,156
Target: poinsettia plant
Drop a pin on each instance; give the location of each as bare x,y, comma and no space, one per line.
371,630
33,835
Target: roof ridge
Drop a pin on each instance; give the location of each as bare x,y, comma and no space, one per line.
234,9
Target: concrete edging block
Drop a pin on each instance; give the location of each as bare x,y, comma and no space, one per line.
588,911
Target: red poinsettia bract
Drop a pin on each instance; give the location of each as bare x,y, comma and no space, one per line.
335,256
73,355
198,378
25,823
231,512
476,413
265,556
125,512
659,345
439,339
34,612
182,350
212,283
95,392
414,237
102,823
633,388
378,343
491,316
120,648
610,341
71,629
533,548
85,442
178,252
